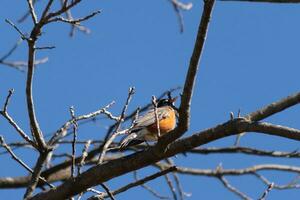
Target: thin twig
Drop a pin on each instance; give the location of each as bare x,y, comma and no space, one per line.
24,17
178,6
111,196
154,103
20,65
266,192
63,130
172,188
84,155
75,126
5,114
245,150
9,53
233,189
275,107
291,185
17,29
177,181
13,155
116,133
45,48
74,21
32,12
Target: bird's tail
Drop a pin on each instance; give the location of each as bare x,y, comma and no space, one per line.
130,140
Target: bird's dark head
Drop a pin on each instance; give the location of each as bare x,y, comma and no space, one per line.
166,102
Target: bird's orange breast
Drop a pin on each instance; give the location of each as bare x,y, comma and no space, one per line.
166,124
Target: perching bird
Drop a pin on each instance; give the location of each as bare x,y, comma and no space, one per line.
145,128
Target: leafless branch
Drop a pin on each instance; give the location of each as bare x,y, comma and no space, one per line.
274,108
24,17
182,194
246,150
5,114
32,12
266,192
63,130
45,48
184,109
23,36
84,155
233,189
20,65
35,129
236,172
73,21
178,6
172,188
109,193
13,155
154,103
140,182
15,46
291,185
75,126
74,26
121,119
114,168
36,174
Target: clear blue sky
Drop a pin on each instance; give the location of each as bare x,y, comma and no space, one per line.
251,58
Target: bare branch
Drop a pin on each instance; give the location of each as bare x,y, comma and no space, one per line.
32,12
35,129
10,92
24,17
23,37
46,10
84,155
5,56
45,48
274,108
116,133
233,189
236,172
266,192
109,193
172,188
104,172
178,6
184,109
75,126
291,185
2,142
20,65
154,103
5,114
246,150
73,21
63,130
36,174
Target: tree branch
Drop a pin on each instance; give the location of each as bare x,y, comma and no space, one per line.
184,109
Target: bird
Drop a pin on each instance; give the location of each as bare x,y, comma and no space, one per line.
145,127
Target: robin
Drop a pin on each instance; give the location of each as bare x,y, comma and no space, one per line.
145,128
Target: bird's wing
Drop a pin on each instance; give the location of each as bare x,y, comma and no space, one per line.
149,117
